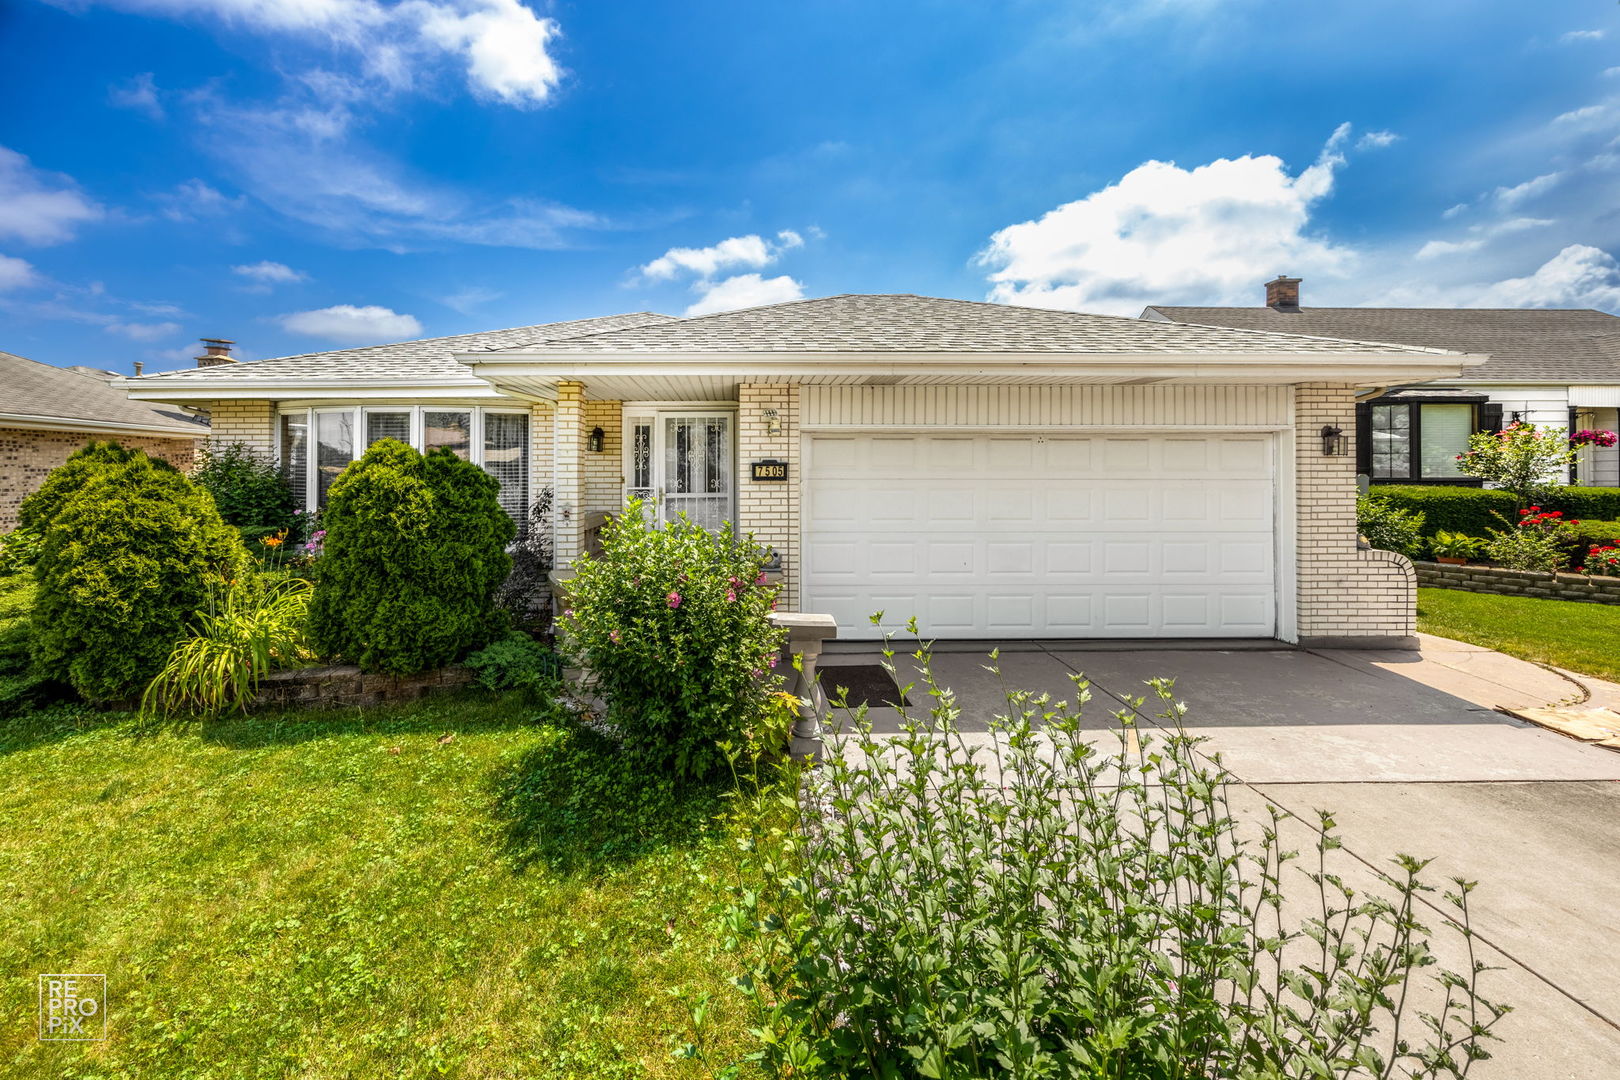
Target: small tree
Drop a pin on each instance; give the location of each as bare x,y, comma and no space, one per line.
671,621
415,547
127,560
1520,459
250,493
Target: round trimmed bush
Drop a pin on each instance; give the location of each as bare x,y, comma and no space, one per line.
131,548
415,547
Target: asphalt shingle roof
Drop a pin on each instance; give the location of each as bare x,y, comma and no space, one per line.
430,358
903,323
29,388
1543,345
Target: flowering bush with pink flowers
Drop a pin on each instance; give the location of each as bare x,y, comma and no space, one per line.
1539,541
670,620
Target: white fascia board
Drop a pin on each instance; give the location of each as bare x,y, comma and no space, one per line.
110,427
1279,368
302,390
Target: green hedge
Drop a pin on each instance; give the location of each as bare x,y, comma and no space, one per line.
1473,510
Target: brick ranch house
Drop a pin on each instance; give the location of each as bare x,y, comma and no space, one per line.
998,472
47,412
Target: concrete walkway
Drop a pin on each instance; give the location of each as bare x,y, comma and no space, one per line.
1410,754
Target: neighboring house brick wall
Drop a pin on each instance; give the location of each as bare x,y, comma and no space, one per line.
770,509
27,457
251,423
1345,592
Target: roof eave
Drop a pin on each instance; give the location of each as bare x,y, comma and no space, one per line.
279,389
32,422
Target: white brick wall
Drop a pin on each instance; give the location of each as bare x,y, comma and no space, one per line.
604,472
770,509
567,454
251,423
1344,592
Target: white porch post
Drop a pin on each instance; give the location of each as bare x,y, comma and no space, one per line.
568,482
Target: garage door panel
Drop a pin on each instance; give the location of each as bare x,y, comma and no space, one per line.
1031,535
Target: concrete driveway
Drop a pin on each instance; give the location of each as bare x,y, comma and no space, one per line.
1410,754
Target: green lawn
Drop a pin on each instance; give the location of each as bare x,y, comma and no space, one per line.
351,895
1566,634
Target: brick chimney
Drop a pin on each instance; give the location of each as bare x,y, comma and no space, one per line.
216,351
1282,294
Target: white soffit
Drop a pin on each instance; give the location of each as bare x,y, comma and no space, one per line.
1594,397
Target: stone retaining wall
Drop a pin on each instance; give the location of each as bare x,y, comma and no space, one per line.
326,687
1494,579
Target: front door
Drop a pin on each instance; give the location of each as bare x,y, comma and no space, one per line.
683,461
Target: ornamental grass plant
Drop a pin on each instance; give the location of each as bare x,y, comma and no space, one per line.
1055,900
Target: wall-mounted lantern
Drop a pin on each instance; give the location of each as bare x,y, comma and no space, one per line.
594,441
773,422
1335,443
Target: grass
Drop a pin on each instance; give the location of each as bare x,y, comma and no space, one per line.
1580,637
355,895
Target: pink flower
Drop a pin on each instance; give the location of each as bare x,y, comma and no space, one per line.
568,613
613,636
756,673
674,599
761,579
731,597
770,661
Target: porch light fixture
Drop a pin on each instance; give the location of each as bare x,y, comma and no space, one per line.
594,441
1335,443
773,422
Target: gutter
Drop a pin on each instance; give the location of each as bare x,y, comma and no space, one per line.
60,423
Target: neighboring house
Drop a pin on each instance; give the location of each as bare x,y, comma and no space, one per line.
1552,368
998,472
46,413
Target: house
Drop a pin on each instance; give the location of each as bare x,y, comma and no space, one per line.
997,472
47,412
1551,368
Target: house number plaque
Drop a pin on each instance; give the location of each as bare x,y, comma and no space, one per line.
770,469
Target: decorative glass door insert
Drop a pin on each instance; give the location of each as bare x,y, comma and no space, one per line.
684,460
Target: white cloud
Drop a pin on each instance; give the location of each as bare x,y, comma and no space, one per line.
1578,276
733,253
40,207
743,291
270,273
1453,211
1480,236
15,273
142,331
470,299
1377,140
503,46
1581,35
139,94
1513,196
1164,235
350,325
195,199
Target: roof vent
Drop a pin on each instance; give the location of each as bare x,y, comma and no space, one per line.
1282,293
216,351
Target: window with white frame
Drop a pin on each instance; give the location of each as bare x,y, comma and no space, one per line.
316,444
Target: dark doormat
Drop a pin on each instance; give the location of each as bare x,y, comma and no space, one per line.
868,684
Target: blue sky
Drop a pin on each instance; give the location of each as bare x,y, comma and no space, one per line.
302,174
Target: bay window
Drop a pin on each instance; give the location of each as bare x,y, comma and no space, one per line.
494,438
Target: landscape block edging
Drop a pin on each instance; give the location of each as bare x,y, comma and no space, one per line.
347,685
1503,582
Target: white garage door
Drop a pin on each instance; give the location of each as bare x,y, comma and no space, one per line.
1018,536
